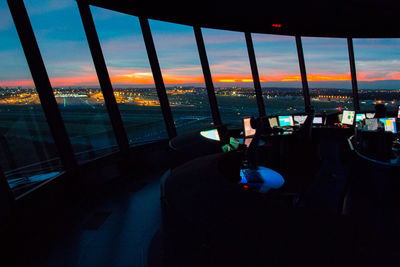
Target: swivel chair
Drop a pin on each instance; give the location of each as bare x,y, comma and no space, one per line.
301,158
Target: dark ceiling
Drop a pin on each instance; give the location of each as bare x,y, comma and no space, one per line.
340,18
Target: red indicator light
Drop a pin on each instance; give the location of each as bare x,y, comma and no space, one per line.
245,186
277,25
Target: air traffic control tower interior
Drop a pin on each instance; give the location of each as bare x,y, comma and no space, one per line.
145,133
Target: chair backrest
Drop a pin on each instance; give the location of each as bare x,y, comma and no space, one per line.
251,153
376,145
305,130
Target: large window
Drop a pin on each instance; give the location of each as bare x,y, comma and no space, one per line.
181,69
62,41
328,73
128,66
231,73
27,151
278,67
378,72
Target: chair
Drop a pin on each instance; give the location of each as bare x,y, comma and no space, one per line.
302,159
305,130
262,127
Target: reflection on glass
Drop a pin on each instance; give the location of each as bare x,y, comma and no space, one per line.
127,63
278,68
231,73
180,64
328,73
65,52
378,64
27,151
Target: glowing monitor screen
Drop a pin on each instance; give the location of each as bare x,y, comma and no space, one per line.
370,115
211,134
390,124
371,124
286,121
348,117
360,117
247,130
398,113
340,116
247,141
300,119
273,122
318,120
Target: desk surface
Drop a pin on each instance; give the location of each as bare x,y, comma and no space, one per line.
395,162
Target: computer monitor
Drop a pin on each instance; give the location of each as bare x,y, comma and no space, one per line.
299,119
371,124
273,122
318,120
389,124
211,134
360,117
348,117
398,112
247,129
286,120
247,141
340,116
370,115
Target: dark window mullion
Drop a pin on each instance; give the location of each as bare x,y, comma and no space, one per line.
158,79
254,71
207,76
42,82
353,72
104,78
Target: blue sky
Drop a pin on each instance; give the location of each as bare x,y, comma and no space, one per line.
59,32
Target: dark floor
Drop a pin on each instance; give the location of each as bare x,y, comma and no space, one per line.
117,232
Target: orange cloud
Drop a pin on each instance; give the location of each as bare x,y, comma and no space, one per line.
231,78
17,83
328,77
145,76
75,81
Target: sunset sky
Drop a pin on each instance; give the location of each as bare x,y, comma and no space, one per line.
59,32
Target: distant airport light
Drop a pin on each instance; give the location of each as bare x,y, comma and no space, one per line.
277,25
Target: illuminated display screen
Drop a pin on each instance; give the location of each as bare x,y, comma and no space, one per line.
371,124
285,121
360,117
273,122
370,115
398,113
247,130
317,120
247,141
300,119
348,117
390,124
211,134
